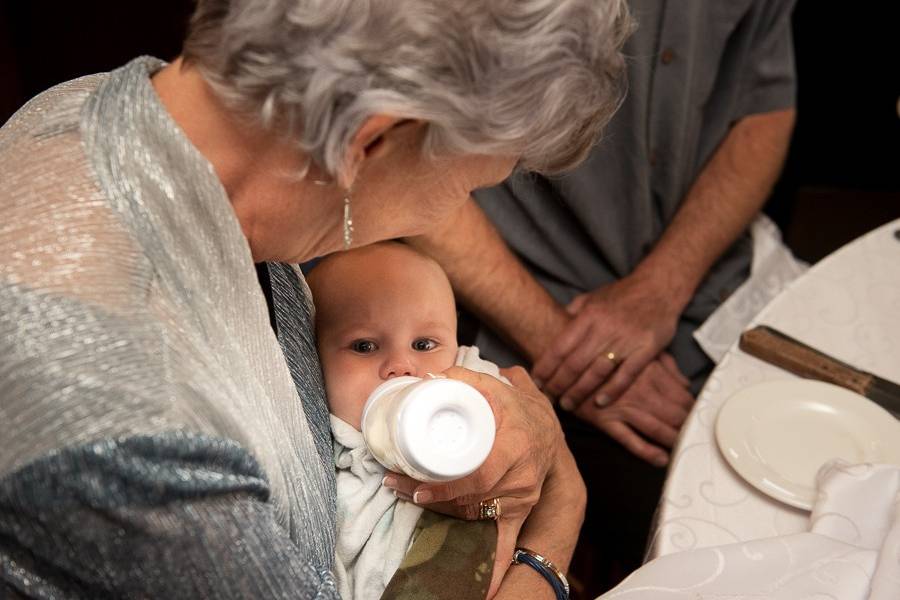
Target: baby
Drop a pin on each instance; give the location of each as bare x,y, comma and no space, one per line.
382,311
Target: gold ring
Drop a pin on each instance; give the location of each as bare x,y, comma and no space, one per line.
489,509
612,357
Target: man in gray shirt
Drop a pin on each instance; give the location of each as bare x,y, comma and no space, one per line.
599,278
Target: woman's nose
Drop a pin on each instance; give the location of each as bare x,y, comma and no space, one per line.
398,365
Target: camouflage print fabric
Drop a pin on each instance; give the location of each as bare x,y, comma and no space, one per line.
450,559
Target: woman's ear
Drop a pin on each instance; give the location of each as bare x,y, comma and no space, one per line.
368,139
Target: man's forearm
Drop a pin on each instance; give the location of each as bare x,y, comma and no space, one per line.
730,191
490,280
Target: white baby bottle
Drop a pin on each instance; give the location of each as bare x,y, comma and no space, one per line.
431,429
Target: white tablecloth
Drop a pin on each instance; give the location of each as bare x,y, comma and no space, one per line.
847,305
717,537
852,551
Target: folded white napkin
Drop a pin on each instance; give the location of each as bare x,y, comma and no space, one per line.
774,267
852,551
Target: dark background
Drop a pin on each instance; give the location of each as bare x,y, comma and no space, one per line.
842,177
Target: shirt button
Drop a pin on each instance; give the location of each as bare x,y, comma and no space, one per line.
667,56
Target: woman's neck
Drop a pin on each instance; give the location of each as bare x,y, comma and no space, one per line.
284,217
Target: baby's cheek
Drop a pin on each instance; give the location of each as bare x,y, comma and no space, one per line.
346,404
335,384
347,390
441,361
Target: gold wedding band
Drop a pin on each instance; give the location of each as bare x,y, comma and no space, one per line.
490,509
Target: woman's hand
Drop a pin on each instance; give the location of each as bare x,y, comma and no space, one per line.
526,446
551,530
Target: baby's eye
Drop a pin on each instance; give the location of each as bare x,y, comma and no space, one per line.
424,345
364,346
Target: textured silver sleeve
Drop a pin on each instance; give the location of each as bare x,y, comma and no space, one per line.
157,440
172,515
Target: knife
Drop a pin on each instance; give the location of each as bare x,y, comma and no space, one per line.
784,351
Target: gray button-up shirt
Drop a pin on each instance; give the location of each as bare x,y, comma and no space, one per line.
695,67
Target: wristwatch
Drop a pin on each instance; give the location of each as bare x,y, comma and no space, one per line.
555,577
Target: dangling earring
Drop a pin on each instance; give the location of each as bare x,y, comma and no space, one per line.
348,222
348,215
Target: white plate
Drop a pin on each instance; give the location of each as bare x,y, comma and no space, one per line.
778,434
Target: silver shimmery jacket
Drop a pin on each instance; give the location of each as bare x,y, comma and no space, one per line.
156,438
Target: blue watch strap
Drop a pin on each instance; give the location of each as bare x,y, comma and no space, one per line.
547,570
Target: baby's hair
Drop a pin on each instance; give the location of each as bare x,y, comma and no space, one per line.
315,272
309,268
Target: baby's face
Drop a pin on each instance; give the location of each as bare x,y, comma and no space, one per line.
381,312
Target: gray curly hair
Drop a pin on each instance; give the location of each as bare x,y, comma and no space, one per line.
537,79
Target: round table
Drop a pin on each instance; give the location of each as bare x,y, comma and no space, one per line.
848,306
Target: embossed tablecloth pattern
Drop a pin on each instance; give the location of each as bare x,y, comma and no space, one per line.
851,551
847,305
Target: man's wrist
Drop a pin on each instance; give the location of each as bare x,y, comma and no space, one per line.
537,336
668,279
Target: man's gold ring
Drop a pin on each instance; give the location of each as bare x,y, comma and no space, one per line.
490,509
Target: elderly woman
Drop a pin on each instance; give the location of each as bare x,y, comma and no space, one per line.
158,439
